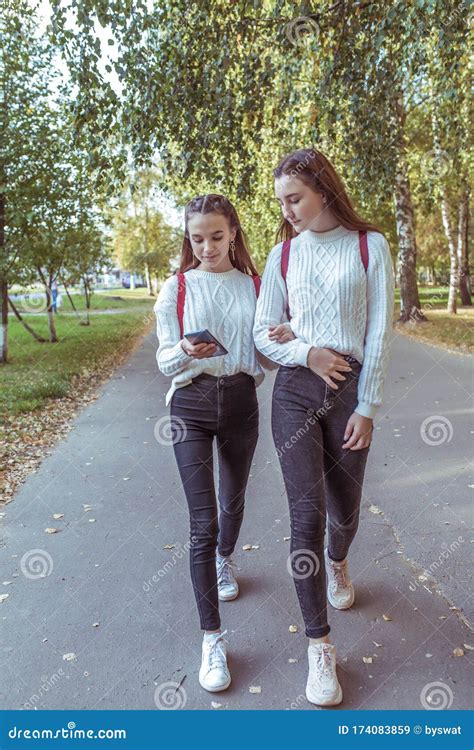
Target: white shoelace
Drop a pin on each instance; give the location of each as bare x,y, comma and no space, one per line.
339,574
216,656
225,574
325,663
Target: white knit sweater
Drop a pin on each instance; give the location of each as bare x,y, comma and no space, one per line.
222,302
333,303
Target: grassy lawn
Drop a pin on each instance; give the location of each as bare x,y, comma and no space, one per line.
453,331
38,372
111,299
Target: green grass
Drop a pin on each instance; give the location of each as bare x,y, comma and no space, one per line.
39,372
113,299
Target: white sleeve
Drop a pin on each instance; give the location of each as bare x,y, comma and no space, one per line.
378,333
171,357
271,310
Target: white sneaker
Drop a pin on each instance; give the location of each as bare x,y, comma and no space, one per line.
227,586
340,589
214,674
323,687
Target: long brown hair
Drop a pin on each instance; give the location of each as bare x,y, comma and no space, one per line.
219,204
314,169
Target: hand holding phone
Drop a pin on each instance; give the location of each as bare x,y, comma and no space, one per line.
202,344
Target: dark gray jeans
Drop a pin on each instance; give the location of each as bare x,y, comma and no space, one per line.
224,408
308,423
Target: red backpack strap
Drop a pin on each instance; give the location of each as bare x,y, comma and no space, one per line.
180,300
285,259
364,249
257,281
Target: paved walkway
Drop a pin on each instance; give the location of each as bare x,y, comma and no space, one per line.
112,620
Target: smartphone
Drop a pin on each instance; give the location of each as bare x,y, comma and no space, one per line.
206,337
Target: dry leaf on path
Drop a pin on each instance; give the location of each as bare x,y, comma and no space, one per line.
255,689
51,530
293,628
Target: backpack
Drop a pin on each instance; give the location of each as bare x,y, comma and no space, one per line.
182,297
285,257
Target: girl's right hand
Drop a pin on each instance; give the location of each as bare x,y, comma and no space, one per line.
198,351
327,363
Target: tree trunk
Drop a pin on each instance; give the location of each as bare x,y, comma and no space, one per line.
87,295
49,304
4,324
463,248
410,309
148,280
25,325
70,299
453,268
3,286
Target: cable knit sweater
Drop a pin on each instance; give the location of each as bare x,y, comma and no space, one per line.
333,303
222,302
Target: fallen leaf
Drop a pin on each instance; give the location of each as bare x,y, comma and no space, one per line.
293,628
458,652
51,530
292,661
367,659
87,508
69,657
3,597
255,689
255,546
95,624
374,509
57,516
7,583
215,704
286,538
246,547
91,520
387,618
169,546
468,647
379,645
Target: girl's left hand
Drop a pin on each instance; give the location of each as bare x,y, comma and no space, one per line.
281,333
358,432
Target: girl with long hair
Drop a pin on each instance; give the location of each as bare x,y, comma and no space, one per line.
330,276
211,397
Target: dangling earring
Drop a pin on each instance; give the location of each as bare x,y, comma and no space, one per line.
232,248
